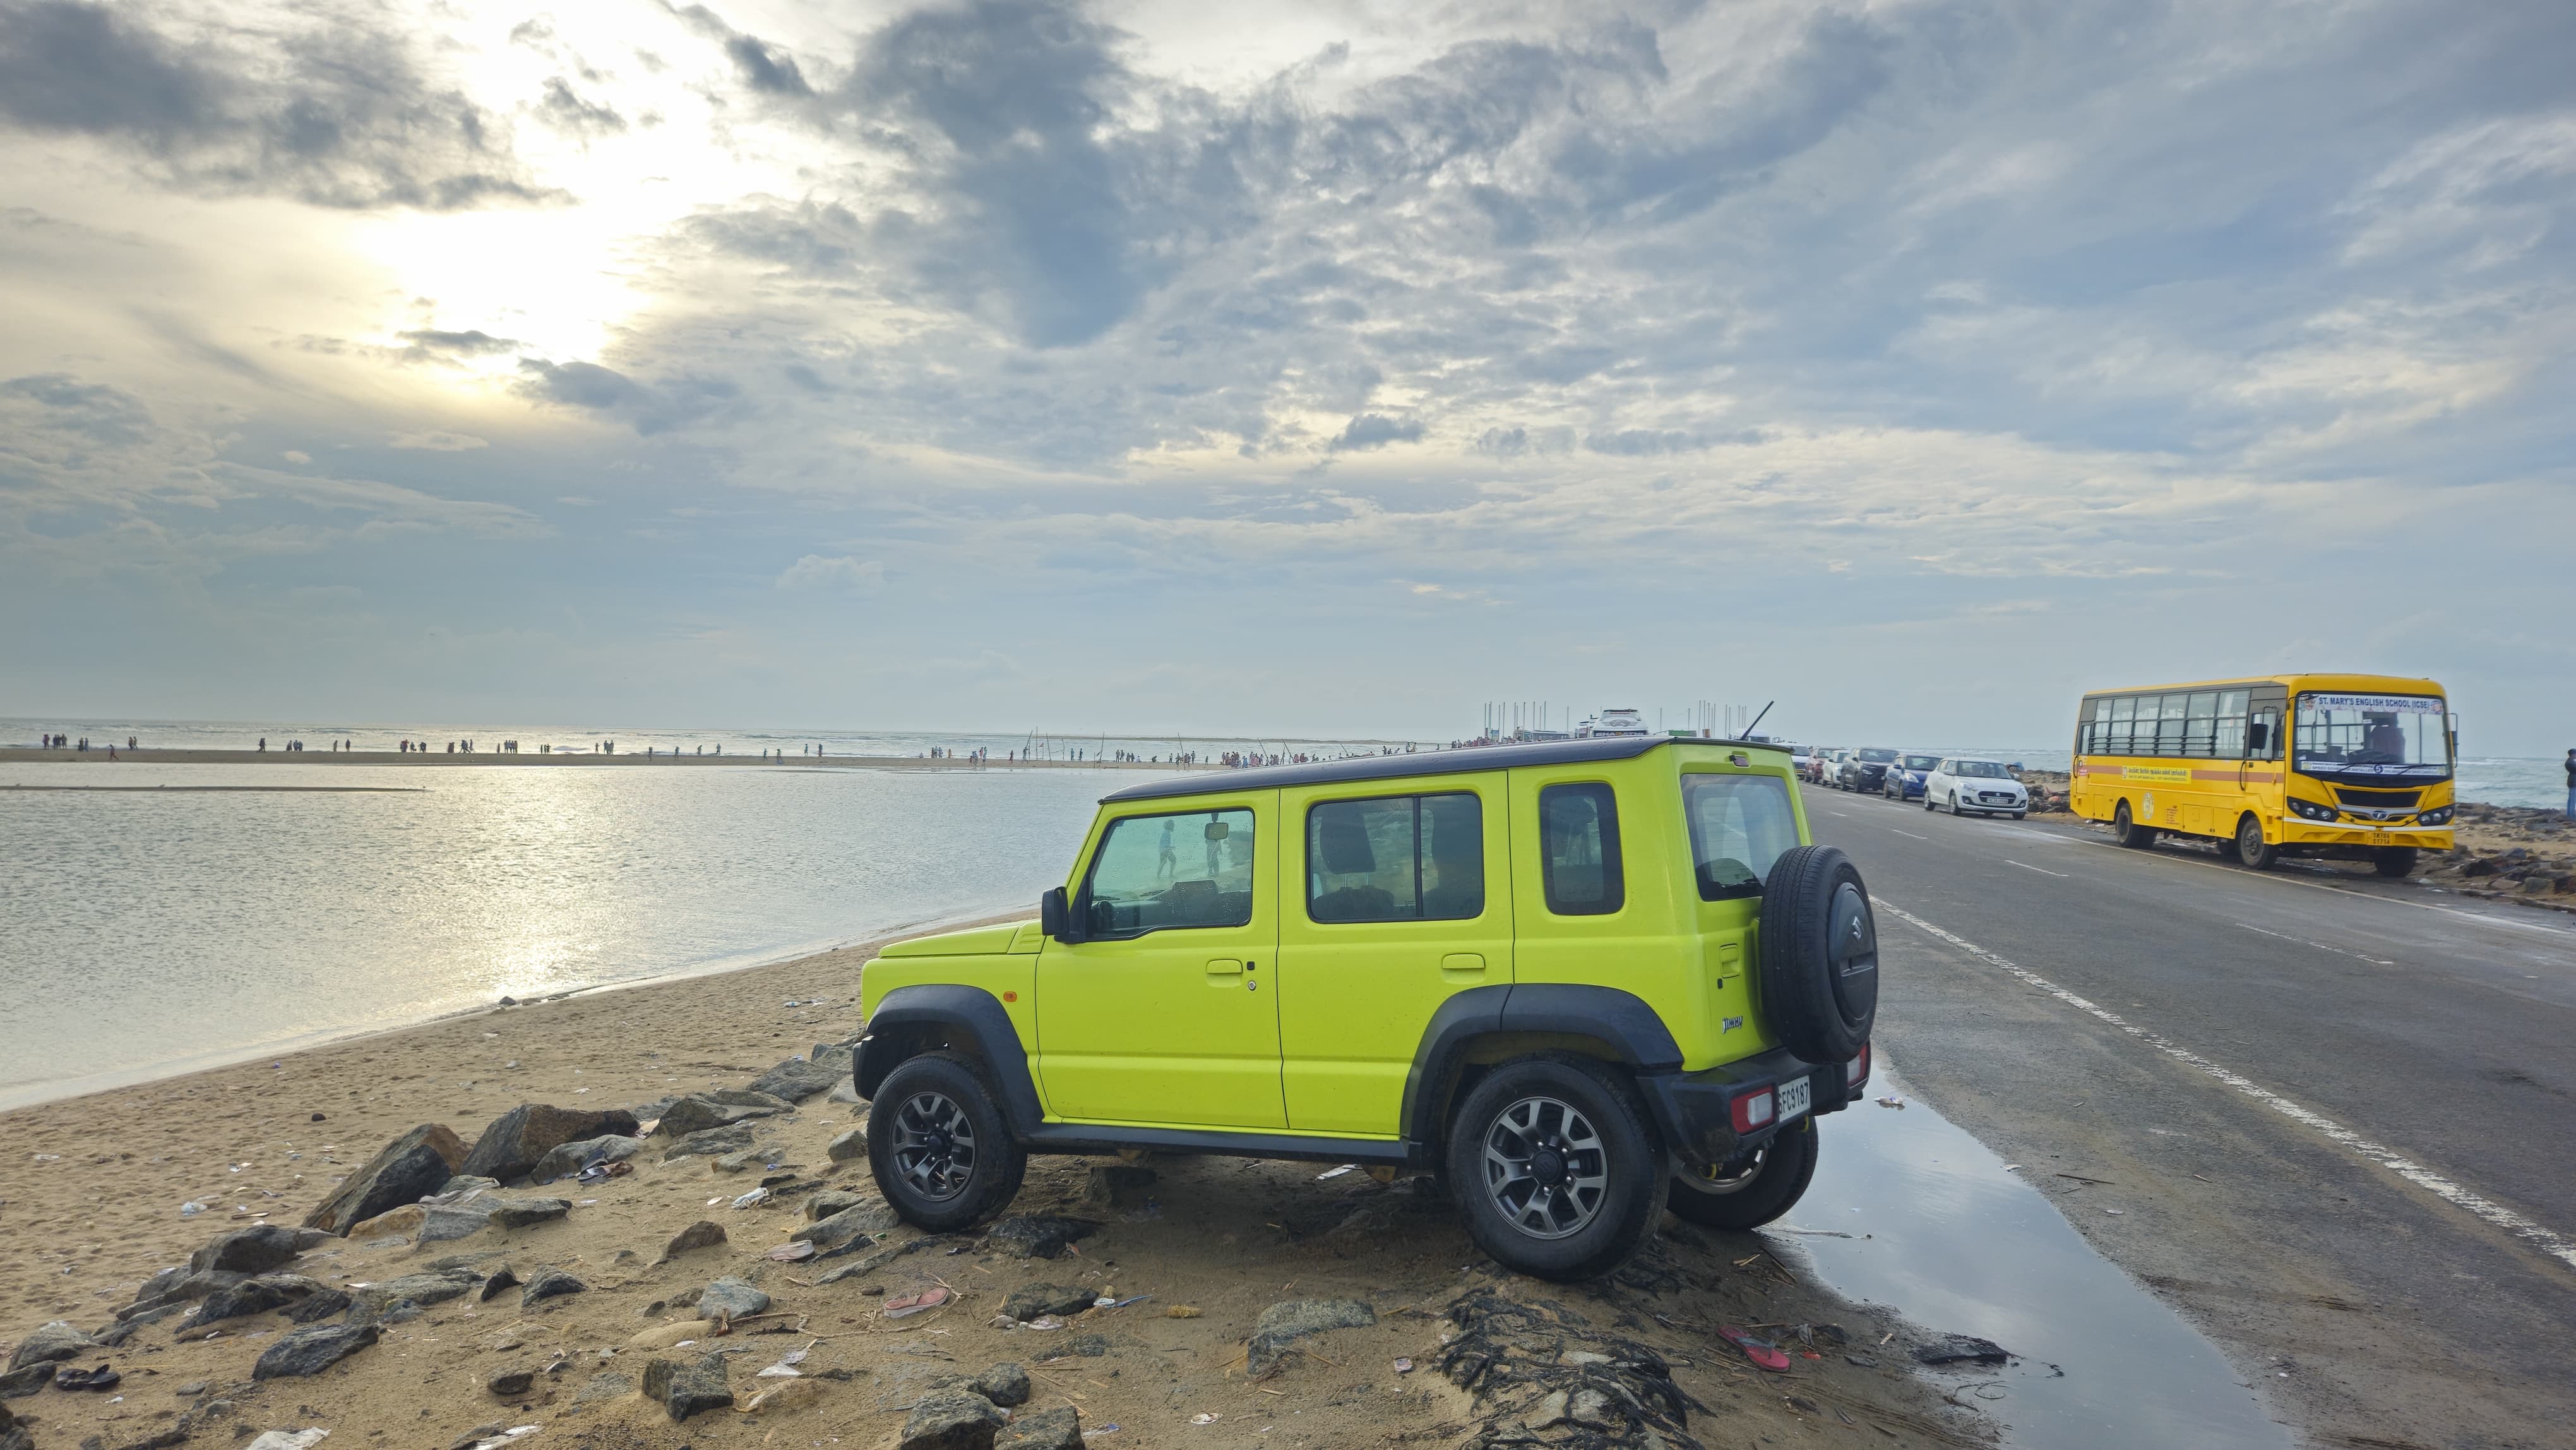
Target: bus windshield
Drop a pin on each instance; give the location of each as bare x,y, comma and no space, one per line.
2371,735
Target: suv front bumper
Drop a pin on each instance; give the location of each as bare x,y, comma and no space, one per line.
1695,1111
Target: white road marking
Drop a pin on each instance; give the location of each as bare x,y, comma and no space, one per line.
2376,1154
1910,834
2337,890
2320,946
2060,875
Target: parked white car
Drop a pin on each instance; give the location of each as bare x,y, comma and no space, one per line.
1982,786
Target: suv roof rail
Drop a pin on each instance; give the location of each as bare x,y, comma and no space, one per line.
1440,762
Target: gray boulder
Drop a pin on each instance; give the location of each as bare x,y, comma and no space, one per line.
709,1143
851,1146
318,1306
850,1227
312,1350
550,1284
1031,1301
688,1386
517,1139
699,1112
1005,1384
566,1159
1037,1235
953,1419
25,1380
831,1201
746,1098
801,1077
730,1298
1083,1346
1056,1429
437,1286
489,1210
1282,1325
51,1344
700,1235
247,1251
408,1169
257,1296
161,1283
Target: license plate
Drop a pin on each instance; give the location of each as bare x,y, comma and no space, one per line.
1793,1098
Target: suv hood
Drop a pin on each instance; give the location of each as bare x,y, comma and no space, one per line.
974,941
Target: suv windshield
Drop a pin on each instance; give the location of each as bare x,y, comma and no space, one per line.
1921,762
1876,757
1979,770
1739,825
2372,735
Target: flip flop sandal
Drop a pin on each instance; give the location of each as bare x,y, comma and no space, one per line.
105,1377
1761,1351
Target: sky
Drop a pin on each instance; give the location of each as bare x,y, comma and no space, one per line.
1303,368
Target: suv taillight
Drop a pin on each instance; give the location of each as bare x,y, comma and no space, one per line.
1753,1110
1858,1068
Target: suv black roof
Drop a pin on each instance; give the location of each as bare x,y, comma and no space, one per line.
1457,761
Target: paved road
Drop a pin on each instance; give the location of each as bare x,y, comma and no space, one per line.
2337,1116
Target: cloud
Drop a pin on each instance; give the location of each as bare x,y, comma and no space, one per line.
660,408
566,111
817,572
1376,430
335,112
428,344
436,442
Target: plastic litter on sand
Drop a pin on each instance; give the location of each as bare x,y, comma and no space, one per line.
911,1304
786,1368
290,1439
1336,1172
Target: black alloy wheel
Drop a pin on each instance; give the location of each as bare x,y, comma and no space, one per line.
2128,832
2252,851
1752,1188
1555,1168
938,1145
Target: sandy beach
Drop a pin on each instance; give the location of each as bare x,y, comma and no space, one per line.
92,1189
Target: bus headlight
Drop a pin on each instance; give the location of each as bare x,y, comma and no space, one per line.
2310,810
2438,816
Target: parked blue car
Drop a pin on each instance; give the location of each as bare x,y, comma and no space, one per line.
1905,776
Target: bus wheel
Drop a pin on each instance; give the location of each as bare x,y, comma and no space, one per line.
2126,830
2393,861
2251,849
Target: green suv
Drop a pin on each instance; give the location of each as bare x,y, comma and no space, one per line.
1580,982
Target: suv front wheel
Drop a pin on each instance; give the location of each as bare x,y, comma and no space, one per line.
1555,1169
938,1144
1750,1191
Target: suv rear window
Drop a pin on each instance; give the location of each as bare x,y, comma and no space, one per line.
1739,825
1397,858
1579,844
1155,872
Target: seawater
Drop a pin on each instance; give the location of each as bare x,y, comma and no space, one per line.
150,931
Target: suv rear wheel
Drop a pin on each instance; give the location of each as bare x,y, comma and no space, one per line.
2126,830
939,1146
1752,1190
1555,1169
2251,849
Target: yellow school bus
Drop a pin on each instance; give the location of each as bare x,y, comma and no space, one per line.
2348,767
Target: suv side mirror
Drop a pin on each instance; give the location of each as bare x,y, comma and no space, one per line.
1055,915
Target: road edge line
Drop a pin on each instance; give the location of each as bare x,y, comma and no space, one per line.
2379,1155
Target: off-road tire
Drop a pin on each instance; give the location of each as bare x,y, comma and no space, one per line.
2252,851
2393,862
2126,830
991,1180
1631,1166
1816,981
1787,1164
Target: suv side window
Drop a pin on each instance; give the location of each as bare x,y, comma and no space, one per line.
1579,850
1397,858
1739,825
1157,872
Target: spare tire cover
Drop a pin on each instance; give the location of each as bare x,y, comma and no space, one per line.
1818,978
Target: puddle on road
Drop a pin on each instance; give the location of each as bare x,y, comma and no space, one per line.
1958,1244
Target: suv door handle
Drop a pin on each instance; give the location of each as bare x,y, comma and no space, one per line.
1462,967
1224,967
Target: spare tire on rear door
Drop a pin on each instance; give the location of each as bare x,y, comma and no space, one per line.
1819,970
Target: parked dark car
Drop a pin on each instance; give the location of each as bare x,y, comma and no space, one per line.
1866,769
1904,779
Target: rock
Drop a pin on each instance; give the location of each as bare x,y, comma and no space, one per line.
746,1098
730,1298
850,1146
748,1158
26,1380
1037,1235
1005,1384
403,1220
1056,1429
698,1112
687,1387
1118,1186
449,1222
257,1296
1030,1301
950,1420
509,1384
850,1227
312,1350
699,1235
798,1078
831,1201
54,1342
247,1251
420,1290
1961,1349
710,1143
550,1284
519,1138
318,1306
566,1159
499,1282
460,1187
1087,1346
1282,1325
604,1386
161,1283
114,1335
408,1169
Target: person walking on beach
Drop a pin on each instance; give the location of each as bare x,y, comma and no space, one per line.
2571,785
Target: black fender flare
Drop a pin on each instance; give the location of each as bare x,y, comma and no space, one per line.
1619,1020
966,1017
